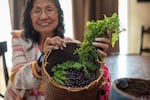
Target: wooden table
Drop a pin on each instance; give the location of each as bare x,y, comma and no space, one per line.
134,66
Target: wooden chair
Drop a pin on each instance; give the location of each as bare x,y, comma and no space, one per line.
143,32
3,49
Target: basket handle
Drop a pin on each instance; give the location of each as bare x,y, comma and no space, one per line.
45,57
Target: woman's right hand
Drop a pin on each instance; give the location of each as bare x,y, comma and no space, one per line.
53,43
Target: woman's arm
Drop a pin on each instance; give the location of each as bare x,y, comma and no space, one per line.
23,72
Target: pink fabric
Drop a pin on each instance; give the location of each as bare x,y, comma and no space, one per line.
107,87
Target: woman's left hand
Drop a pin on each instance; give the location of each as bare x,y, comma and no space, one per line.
103,44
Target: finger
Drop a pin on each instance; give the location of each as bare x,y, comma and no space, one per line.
56,42
103,40
47,41
104,54
99,45
70,40
46,49
60,42
50,41
50,48
109,35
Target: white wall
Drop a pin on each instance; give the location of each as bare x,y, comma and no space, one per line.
139,14
5,28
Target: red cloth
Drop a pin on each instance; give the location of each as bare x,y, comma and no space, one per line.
107,87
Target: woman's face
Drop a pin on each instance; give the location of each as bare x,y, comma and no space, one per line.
44,16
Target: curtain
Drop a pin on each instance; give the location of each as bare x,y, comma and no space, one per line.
84,10
16,11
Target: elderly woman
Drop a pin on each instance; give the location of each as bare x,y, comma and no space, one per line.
43,30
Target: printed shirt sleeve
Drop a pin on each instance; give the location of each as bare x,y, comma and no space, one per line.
23,75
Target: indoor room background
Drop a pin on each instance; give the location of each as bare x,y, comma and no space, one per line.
132,14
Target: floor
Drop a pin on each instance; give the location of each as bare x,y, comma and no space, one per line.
131,66
2,82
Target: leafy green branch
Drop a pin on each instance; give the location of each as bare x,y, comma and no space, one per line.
94,29
87,52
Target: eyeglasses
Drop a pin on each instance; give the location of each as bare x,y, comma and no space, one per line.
37,12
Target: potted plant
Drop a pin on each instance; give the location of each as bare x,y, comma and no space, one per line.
130,89
76,73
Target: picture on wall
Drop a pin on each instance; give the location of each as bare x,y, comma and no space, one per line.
143,0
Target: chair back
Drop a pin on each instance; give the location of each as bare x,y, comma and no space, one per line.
3,49
144,31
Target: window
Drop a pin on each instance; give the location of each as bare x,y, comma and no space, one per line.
67,17
143,0
123,15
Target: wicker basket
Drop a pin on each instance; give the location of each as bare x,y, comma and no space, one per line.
55,91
